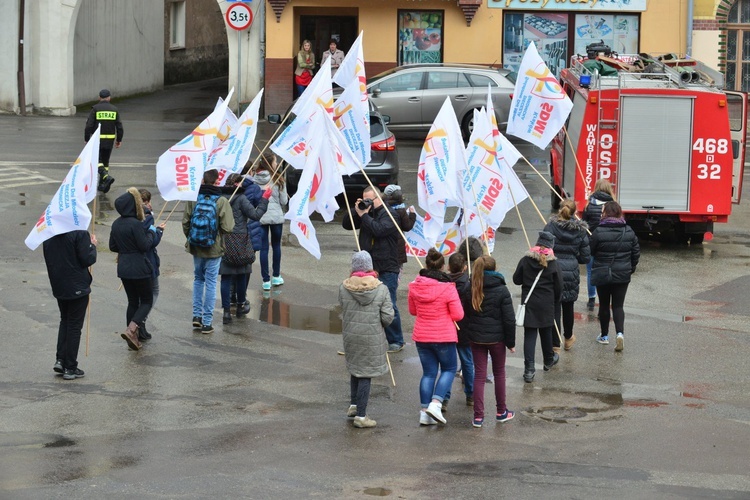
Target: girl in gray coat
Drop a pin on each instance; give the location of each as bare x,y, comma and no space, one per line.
366,310
272,221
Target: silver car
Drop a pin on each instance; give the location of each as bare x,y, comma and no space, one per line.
412,95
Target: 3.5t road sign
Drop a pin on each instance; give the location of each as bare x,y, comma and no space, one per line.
239,16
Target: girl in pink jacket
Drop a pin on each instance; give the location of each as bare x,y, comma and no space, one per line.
433,299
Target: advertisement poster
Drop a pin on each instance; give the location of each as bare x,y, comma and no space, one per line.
549,32
579,5
420,37
620,32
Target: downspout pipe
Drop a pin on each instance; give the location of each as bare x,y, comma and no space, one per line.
20,74
689,49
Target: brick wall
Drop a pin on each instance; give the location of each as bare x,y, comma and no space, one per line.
705,25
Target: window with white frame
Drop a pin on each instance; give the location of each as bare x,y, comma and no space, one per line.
177,25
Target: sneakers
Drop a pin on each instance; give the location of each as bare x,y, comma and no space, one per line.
277,281
505,416
207,329
591,303
528,376
352,411
434,410
197,323
425,419
603,339
395,347
555,359
73,374
364,422
266,285
243,309
477,422
444,406
58,368
469,401
619,342
569,342
226,317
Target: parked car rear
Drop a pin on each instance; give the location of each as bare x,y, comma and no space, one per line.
412,95
383,167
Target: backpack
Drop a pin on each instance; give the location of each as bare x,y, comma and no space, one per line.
204,222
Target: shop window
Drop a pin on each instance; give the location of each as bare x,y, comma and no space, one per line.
738,47
420,36
554,34
481,81
177,25
446,80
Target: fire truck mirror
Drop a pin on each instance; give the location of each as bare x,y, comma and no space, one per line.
735,149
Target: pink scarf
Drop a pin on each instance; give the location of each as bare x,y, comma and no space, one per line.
362,274
542,250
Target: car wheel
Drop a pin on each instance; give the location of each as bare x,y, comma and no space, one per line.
467,125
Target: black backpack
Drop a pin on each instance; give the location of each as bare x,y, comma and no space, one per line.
204,222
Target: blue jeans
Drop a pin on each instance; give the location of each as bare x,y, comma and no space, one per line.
300,89
205,274
275,230
467,369
393,331
434,355
591,288
240,286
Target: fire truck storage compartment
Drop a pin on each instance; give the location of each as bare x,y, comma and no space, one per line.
575,124
655,154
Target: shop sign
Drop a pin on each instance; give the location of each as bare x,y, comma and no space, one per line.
571,5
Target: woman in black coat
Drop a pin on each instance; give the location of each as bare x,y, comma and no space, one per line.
132,242
592,214
539,261
571,249
615,249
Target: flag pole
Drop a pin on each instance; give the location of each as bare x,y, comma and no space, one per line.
518,211
351,220
161,211
91,272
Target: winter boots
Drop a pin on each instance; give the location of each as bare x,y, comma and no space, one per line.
131,336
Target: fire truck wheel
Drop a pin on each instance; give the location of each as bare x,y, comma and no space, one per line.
554,198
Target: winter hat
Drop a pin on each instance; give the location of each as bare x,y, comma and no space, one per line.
104,93
390,188
361,262
546,239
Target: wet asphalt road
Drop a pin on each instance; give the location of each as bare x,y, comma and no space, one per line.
256,410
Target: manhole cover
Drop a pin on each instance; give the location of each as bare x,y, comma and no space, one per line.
563,414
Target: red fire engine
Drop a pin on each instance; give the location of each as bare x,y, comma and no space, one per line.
664,133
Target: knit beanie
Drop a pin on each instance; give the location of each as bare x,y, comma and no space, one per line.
546,239
361,262
391,188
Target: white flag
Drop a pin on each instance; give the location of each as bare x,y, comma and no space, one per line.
179,170
317,93
352,116
68,210
228,124
232,154
305,233
540,106
353,67
441,160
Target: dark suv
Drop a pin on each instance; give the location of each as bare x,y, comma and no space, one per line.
383,167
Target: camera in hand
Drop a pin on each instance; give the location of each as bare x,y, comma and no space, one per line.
364,204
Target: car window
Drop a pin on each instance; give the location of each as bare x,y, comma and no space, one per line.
402,82
376,126
446,80
481,80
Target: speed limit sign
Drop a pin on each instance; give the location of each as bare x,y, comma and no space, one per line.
239,16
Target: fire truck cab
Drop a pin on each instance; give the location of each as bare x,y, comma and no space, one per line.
663,131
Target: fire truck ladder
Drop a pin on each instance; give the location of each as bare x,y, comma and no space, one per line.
608,118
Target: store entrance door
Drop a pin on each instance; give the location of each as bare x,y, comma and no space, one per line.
320,29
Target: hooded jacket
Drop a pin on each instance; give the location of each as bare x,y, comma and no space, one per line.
130,239
254,194
378,236
436,306
242,212
615,244
571,249
540,309
153,255
592,214
366,309
226,223
68,257
275,212
496,322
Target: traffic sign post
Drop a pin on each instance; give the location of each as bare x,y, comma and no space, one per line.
239,17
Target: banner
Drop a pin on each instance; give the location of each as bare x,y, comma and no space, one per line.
540,106
179,170
318,92
440,164
68,210
232,154
353,67
353,120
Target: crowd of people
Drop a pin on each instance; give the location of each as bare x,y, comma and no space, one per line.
463,312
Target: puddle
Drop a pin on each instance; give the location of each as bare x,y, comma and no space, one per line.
60,443
377,492
270,307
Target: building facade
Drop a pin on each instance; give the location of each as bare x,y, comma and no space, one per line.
485,32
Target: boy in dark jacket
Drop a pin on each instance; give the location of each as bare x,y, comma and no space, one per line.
458,274
68,257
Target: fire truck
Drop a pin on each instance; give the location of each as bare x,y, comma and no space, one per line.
662,130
